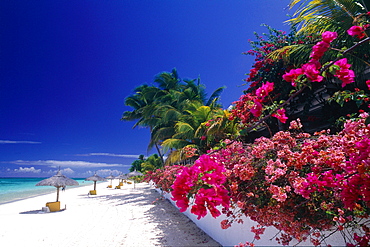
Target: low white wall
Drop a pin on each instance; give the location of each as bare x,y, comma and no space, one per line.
240,233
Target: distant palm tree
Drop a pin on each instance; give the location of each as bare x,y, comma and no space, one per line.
160,108
201,128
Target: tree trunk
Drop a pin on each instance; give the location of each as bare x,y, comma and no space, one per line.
159,152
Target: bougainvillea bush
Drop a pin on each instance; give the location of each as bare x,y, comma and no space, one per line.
299,183
308,186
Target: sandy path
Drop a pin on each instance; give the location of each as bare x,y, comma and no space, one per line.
125,217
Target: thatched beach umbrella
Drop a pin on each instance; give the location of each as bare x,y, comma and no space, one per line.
95,178
122,176
58,180
111,177
134,174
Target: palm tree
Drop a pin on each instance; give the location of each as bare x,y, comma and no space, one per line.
175,102
152,163
160,108
312,18
201,128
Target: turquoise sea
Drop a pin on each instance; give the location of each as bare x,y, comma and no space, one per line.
13,189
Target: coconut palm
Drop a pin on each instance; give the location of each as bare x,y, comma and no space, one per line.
312,18
161,108
200,128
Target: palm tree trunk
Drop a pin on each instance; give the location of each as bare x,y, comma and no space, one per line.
159,153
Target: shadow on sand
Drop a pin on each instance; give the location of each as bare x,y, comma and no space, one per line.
40,212
176,229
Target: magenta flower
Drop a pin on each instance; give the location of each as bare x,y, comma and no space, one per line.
311,72
257,109
328,37
319,49
292,76
357,31
265,89
280,114
346,75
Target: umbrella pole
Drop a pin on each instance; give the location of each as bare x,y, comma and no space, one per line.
94,185
58,193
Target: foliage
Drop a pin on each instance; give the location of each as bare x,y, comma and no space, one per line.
276,53
306,185
163,178
152,163
301,184
137,164
161,108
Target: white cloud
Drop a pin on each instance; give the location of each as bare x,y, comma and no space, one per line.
68,163
26,169
18,142
65,171
135,156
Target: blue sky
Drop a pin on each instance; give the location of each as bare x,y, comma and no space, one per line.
66,67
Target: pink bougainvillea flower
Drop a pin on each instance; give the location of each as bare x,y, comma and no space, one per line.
256,109
265,89
346,75
319,49
280,114
357,31
368,84
311,72
329,36
343,63
292,76
315,62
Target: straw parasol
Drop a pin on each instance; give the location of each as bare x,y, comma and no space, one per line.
134,174
122,176
111,177
58,180
95,178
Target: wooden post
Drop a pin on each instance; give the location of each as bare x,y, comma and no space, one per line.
57,193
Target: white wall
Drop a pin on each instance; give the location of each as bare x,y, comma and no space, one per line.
240,233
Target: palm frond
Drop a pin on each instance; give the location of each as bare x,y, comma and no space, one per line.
184,130
174,143
215,96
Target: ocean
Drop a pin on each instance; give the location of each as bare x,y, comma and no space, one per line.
14,189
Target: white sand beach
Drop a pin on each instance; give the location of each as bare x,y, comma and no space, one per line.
113,217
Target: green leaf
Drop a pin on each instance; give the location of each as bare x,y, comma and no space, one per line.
367,121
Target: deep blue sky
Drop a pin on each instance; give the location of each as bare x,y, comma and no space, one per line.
66,67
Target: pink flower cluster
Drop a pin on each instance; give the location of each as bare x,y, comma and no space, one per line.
163,178
346,75
244,107
311,69
249,104
357,31
205,182
299,183
302,184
